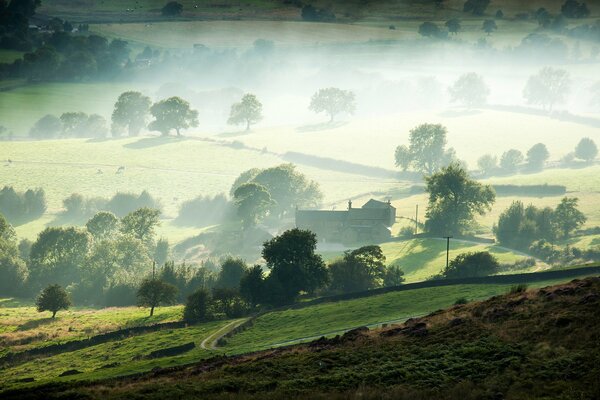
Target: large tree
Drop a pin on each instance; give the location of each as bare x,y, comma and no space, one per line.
472,264
548,87
489,26
586,150
154,292
470,90
537,156
47,127
567,216
141,224
131,111
427,151
511,160
253,202
453,25
53,298
487,164
454,200
103,225
333,101
294,265
360,269
248,111
172,113
252,285
519,226
232,271
476,7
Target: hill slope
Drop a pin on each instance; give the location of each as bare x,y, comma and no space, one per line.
535,344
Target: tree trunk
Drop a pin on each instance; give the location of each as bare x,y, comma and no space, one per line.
53,314
152,311
331,118
247,125
178,134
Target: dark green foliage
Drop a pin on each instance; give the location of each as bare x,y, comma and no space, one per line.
197,306
454,200
489,26
13,272
172,8
461,301
472,264
232,271
453,25
253,203
430,29
252,285
394,276
53,298
359,270
141,224
476,7
21,207
228,302
131,111
520,288
172,113
294,265
154,292
103,225
567,217
518,226
574,9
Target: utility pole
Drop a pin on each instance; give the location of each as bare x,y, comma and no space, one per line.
447,249
417,220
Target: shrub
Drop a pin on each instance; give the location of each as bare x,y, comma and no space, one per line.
198,306
471,265
460,301
520,288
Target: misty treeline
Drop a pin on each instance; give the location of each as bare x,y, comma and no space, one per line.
19,207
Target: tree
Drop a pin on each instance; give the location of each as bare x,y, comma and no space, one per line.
248,111
454,199
103,225
47,127
161,251
429,29
470,90
73,123
96,127
453,25
476,7
153,292
13,271
131,111
487,164
472,264
172,113
294,265
574,9
489,26
537,156
427,152
333,101
232,271
548,87
197,306
394,276
567,217
519,226
359,270
510,161
171,9
252,285
253,203
586,150
141,224
53,298
7,232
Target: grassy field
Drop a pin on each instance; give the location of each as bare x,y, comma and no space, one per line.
22,327
272,329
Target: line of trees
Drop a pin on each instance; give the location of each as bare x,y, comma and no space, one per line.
77,207
19,207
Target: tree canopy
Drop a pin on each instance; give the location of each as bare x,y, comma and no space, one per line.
427,151
172,113
53,298
131,111
586,150
359,270
333,101
253,202
547,88
537,156
470,90
248,111
472,264
154,292
454,200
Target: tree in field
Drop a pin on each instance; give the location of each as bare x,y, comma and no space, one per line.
103,225
567,217
197,306
359,270
53,298
429,29
574,9
172,8
453,26
232,271
252,285
489,26
454,200
548,87
73,123
141,224
586,150
294,265
47,127
427,149
476,7
253,203
172,113
131,111
487,164
153,292
472,264
519,226
510,161
470,90
248,111
288,187
333,101
537,156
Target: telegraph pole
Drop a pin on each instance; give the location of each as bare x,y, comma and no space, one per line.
447,249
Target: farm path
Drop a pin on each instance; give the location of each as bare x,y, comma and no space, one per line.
210,342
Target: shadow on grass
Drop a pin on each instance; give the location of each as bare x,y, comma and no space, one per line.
321,126
412,260
149,142
36,323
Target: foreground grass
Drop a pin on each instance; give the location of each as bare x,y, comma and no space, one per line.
22,327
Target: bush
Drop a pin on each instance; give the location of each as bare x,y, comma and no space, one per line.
120,295
520,288
198,307
461,301
472,264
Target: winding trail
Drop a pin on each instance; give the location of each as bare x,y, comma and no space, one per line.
210,342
